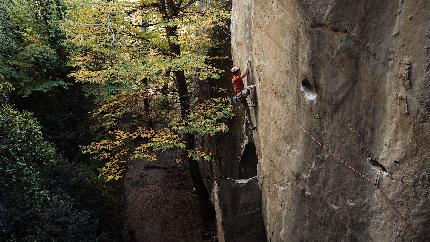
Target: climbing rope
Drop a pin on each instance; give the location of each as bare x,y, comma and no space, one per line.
335,156
345,163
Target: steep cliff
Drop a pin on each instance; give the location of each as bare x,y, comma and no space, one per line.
355,76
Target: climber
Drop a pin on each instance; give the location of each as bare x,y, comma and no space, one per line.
241,91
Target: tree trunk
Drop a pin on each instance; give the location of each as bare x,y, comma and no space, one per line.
184,100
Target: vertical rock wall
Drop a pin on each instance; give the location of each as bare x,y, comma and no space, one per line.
238,208
355,75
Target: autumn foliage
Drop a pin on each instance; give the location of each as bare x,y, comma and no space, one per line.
142,60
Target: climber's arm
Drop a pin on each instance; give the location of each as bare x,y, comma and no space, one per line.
248,66
245,74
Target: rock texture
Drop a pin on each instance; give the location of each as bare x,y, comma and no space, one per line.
355,75
238,206
231,178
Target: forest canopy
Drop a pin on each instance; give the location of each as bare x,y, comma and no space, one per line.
137,68
143,61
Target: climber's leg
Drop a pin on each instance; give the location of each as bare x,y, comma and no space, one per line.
242,99
248,117
251,92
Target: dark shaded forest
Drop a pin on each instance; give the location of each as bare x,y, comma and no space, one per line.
50,190
87,86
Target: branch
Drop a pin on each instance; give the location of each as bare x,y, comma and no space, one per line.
149,43
146,25
143,6
191,2
180,3
110,30
149,5
89,24
172,7
162,8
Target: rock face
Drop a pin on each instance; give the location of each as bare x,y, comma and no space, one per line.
355,76
238,206
234,187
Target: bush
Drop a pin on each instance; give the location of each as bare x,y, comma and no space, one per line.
32,208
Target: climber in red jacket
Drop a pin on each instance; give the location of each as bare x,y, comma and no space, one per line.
241,91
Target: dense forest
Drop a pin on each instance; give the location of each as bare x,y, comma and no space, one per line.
86,87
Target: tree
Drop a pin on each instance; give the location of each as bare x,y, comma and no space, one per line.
33,207
44,196
142,60
32,55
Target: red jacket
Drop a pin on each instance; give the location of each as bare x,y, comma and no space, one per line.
237,82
